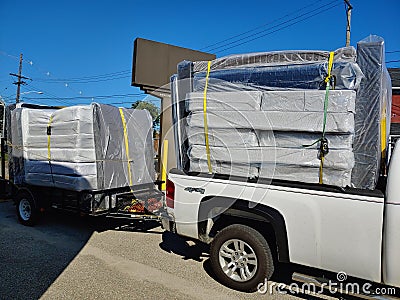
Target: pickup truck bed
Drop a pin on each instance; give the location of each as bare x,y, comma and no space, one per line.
326,227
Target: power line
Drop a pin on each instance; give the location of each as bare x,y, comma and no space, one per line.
257,34
86,78
388,52
8,55
52,96
261,26
131,102
97,76
76,99
32,65
393,61
281,28
75,80
70,101
36,101
91,97
124,101
81,81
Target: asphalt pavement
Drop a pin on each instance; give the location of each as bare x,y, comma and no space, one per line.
69,257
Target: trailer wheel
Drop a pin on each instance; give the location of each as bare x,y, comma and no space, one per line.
241,258
27,211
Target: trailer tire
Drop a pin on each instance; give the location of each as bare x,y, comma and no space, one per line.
27,211
241,258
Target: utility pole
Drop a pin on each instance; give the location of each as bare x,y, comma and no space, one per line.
19,76
348,12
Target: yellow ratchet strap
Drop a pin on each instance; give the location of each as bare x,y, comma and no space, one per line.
205,119
383,141
121,112
383,132
327,81
330,64
48,137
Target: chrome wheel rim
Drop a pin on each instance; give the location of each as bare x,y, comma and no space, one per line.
25,209
238,260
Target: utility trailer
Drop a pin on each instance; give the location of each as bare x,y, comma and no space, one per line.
122,202
93,159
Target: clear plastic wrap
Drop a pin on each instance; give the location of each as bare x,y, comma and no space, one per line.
273,58
17,135
111,147
273,120
234,100
306,76
81,147
309,100
282,172
372,119
337,159
307,174
234,169
289,117
304,100
221,137
303,139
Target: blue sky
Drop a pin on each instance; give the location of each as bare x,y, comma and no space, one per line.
89,44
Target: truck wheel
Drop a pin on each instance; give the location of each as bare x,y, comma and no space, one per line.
27,211
241,258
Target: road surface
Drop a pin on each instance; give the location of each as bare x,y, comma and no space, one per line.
68,257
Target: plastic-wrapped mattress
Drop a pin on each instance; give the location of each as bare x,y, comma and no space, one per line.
308,76
304,100
340,101
373,113
86,147
306,174
303,139
274,120
345,54
222,137
234,169
337,159
216,101
290,115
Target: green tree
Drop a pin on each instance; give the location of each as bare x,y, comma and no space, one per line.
152,108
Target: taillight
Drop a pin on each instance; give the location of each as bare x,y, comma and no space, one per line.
170,194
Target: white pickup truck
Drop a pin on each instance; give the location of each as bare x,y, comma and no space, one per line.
253,225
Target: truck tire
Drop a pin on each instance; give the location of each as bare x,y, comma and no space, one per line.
241,258
27,211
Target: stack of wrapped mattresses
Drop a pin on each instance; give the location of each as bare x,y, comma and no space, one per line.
262,115
85,147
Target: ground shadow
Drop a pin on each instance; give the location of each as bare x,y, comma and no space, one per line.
32,258
173,243
101,224
187,249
